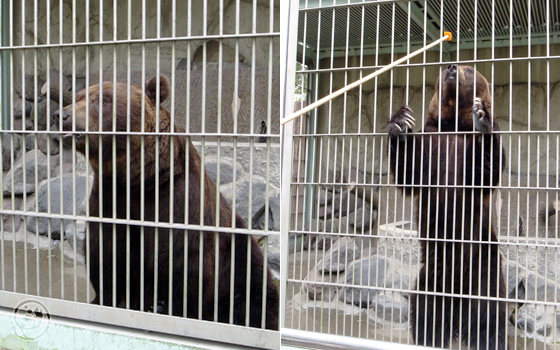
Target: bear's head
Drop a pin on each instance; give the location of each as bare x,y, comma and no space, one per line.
463,77
107,110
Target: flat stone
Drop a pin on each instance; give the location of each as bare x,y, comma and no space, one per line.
539,288
320,291
391,306
35,162
370,272
69,204
341,253
11,147
77,230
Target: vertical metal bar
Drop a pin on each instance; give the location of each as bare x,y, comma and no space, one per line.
128,154
288,25
5,65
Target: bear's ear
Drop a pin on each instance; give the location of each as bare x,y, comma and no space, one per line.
152,88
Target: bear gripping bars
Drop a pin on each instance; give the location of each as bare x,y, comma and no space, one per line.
446,37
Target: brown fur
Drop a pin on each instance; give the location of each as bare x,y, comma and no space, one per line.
451,177
153,168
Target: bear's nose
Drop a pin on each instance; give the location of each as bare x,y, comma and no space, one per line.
61,114
452,67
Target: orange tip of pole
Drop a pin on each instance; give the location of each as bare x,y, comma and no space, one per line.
449,36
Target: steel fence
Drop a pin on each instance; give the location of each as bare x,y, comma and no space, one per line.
140,164
434,224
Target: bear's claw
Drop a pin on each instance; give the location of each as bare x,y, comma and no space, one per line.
479,116
401,122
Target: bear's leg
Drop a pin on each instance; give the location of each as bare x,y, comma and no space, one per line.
487,324
488,318
430,315
101,265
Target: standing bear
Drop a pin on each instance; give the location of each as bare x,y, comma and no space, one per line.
146,173
451,170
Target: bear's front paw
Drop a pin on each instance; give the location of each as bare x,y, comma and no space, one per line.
481,121
400,122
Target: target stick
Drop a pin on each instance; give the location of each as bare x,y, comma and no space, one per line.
446,37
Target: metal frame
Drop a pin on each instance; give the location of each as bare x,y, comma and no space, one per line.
318,47
104,44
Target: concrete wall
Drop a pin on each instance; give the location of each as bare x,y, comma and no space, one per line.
526,97
248,71
58,22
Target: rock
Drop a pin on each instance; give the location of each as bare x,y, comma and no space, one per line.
342,253
258,195
259,219
514,275
35,162
47,145
539,288
545,331
536,320
11,145
320,291
369,272
341,204
22,109
55,76
317,242
391,306
337,225
40,226
226,171
31,91
44,114
12,223
274,261
527,325
398,281
362,219
29,142
77,230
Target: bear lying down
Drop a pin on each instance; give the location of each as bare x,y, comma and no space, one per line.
158,178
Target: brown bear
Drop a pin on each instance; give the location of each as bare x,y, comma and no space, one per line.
145,173
451,170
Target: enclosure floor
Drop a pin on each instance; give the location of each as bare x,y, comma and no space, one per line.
60,283
333,322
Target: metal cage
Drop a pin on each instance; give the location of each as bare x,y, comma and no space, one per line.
354,252
184,166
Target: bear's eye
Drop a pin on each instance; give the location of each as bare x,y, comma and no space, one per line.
104,101
469,70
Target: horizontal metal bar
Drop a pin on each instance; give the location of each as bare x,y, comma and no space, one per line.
139,41
180,326
419,132
424,292
324,341
426,64
109,331
418,186
109,220
522,241
349,5
145,133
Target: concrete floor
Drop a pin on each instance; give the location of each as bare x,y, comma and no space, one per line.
42,272
332,322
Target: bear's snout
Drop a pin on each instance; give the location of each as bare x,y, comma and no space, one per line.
57,115
451,72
